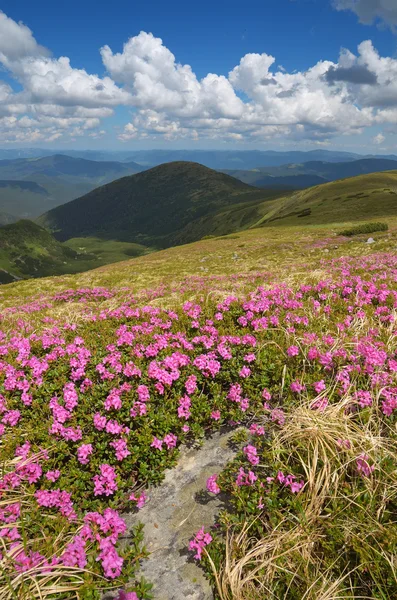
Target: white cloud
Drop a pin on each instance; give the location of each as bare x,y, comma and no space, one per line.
379,139
257,101
55,98
369,11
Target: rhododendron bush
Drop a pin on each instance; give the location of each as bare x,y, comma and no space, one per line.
93,412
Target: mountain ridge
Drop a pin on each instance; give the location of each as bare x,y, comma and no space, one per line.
152,206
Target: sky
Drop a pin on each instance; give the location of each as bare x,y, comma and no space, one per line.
268,74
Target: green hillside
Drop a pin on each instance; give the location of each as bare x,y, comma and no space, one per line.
28,250
31,186
170,204
362,198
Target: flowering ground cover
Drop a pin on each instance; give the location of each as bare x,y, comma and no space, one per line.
100,385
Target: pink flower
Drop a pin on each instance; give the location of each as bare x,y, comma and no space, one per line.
363,466
191,384
244,478
297,387
83,452
212,485
156,443
127,596
319,386
256,429
277,416
105,483
293,351
120,446
140,500
320,404
216,415
199,542
53,475
170,440
252,454
245,372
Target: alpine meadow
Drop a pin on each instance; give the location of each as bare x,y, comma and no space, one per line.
198,300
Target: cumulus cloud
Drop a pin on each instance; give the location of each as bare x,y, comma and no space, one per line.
379,139
354,74
369,11
255,101
56,97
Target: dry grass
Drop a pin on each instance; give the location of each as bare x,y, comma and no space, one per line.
292,551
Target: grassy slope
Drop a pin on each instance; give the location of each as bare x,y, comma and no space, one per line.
27,250
367,197
170,204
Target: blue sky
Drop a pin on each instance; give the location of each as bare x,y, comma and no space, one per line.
287,102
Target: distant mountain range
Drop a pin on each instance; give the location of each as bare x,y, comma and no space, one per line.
215,159
30,186
308,174
177,203
168,205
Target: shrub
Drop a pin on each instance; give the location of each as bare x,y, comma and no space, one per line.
365,228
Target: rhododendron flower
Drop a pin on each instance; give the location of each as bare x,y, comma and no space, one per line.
319,386
191,384
170,440
256,429
344,444
120,446
216,415
252,454
156,443
320,404
83,452
277,416
293,351
244,478
140,500
266,395
245,372
105,483
53,475
364,398
74,554
212,485
249,358
127,596
199,542
297,387
363,466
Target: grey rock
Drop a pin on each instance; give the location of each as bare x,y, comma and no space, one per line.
176,510
370,241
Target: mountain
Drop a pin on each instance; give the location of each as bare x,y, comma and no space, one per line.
307,174
366,197
238,159
31,186
170,204
6,218
287,182
27,250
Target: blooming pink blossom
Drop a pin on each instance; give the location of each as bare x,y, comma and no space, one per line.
212,485
83,452
199,542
